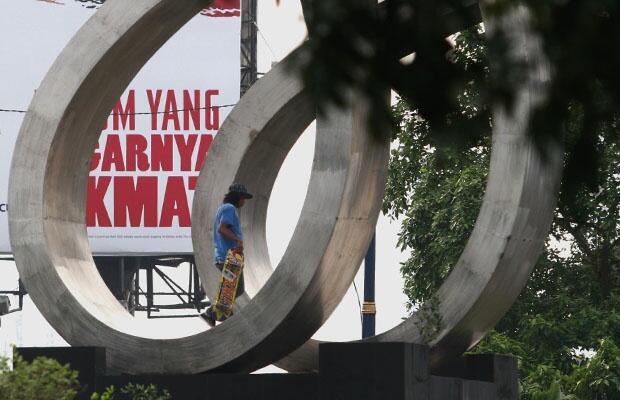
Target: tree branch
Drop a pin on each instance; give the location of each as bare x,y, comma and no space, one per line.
581,240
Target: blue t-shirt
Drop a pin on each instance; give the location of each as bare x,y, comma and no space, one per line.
227,215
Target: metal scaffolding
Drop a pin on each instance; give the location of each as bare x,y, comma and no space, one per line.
249,37
122,274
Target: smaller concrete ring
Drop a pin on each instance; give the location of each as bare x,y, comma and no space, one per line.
336,223
493,268
48,191
48,185
514,218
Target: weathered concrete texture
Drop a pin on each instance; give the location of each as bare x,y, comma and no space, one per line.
48,186
336,223
356,371
496,263
49,176
513,221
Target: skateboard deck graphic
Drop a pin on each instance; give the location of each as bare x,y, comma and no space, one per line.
231,273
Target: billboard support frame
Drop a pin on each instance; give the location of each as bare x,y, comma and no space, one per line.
128,291
249,75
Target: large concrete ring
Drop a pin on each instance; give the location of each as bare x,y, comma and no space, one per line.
48,233
47,221
337,220
493,268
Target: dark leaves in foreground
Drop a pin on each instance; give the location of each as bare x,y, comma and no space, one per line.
359,45
355,45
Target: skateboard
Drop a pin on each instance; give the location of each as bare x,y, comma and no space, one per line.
231,273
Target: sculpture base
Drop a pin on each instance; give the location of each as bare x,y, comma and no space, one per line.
355,371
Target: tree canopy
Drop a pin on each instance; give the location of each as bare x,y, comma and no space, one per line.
356,45
571,305
42,379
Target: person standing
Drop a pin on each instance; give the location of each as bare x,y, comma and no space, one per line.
227,235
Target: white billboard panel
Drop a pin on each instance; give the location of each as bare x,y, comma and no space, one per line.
150,152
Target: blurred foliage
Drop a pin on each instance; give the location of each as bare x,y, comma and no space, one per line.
42,379
46,379
107,394
571,305
357,45
133,392
599,377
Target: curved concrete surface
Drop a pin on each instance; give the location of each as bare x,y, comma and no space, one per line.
48,186
497,261
514,219
338,217
48,182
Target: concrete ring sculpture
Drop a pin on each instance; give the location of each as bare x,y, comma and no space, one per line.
47,222
340,211
48,233
493,268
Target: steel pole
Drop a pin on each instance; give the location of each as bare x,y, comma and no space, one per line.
369,310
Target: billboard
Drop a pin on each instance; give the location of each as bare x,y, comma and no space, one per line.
151,149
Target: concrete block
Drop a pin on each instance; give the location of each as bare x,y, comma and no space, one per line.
373,371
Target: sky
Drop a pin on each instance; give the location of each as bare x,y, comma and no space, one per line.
281,30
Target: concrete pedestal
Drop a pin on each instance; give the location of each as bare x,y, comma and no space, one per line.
400,371
348,371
